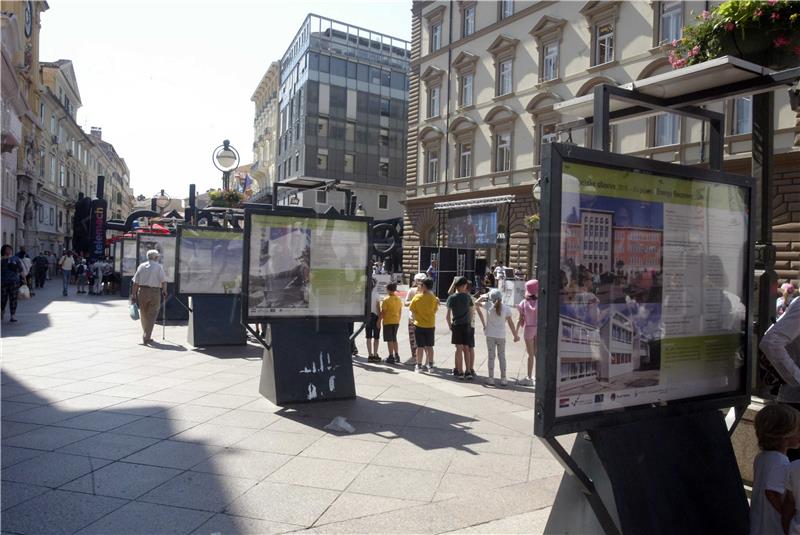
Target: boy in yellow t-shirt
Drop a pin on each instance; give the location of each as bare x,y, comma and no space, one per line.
391,306
424,307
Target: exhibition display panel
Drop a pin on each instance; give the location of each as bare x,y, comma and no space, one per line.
646,277
164,244
305,267
128,257
116,254
209,261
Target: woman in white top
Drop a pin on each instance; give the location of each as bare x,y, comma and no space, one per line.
496,315
412,291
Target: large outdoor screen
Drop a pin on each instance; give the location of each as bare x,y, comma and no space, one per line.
651,271
165,245
299,266
128,257
209,261
472,227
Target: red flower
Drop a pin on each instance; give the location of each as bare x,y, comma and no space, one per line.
705,15
730,26
780,41
757,14
772,2
775,15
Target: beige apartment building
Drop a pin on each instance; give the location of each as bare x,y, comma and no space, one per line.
483,82
265,127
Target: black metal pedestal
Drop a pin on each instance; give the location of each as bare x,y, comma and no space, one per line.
660,476
307,360
176,306
216,320
125,286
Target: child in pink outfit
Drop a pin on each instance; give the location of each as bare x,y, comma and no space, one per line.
528,309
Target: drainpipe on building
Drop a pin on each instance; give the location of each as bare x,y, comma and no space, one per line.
447,111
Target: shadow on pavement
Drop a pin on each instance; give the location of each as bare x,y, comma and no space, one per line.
250,351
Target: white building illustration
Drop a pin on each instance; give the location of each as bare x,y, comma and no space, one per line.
579,352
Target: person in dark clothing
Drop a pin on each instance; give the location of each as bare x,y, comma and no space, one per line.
40,267
11,277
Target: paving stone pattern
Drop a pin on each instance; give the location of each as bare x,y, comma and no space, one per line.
101,435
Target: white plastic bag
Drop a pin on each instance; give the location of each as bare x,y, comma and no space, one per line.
133,310
24,292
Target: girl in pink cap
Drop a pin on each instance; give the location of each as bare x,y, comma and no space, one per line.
528,309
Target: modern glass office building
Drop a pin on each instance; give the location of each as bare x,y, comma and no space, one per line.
343,115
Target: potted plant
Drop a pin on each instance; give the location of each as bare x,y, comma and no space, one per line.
765,33
533,221
225,198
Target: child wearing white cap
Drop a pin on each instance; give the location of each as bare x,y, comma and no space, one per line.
497,317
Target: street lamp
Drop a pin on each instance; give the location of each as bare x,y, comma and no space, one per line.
537,196
161,201
360,212
226,159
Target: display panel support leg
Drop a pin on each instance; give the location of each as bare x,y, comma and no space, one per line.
125,286
216,320
660,476
307,360
175,307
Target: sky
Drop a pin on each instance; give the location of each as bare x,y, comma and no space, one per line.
168,80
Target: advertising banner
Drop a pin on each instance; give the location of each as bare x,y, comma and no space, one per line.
98,227
165,245
305,266
128,257
472,227
209,261
653,289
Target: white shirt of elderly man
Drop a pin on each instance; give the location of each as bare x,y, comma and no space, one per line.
149,285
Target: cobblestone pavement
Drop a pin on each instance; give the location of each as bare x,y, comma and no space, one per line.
101,434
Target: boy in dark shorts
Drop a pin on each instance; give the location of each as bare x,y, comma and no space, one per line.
373,327
391,308
424,307
459,319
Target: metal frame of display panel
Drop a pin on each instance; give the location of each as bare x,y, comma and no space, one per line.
546,423
122,248
142,235
251,210
179,235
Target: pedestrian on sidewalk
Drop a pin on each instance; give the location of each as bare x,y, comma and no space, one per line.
497,317
40,269
373,327
27,266
460,309
528,313
51,265
11,277
412,339
424,306
82,274
66,264
391,309
149,287
777,429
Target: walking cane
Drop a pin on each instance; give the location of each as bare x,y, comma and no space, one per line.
164,318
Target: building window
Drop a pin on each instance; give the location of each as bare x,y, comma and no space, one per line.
465,83
666,130
297,161
433,101
468,24
506,9
504,77
670,21
350,132
383,168
383,201
742,115
385,107
322,196
62,177
52,216
550,61
502,152
53,127
604,43
431,166
436,37
322,126
464,160
384,138
322,159
349,161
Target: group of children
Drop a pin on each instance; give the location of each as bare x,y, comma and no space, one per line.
775,503
423,305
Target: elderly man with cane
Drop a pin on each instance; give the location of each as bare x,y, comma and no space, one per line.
149,286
